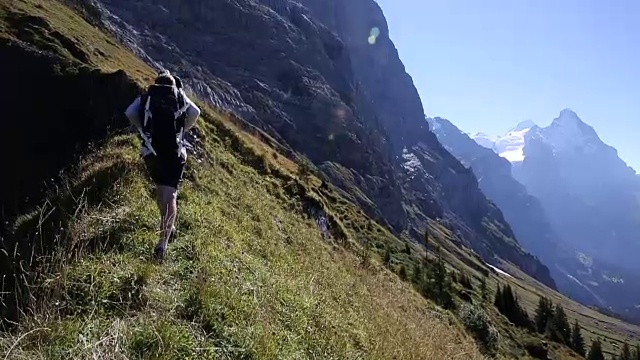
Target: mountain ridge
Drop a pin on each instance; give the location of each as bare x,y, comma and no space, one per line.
588,192
567,120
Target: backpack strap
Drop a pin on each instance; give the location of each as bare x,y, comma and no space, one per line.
184,107
147,113
180,114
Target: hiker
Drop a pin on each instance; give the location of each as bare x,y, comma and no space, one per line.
162,116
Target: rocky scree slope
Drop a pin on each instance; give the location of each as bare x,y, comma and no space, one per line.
323,79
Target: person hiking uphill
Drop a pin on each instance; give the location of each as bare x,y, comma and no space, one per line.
162,116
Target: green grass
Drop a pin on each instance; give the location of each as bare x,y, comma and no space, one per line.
250,276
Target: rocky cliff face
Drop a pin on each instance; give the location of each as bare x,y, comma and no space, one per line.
588,192
523,211
582,191
574,274
324,79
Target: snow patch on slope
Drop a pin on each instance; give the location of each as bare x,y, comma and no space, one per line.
411,162
588,289
484,140
511,145
499,271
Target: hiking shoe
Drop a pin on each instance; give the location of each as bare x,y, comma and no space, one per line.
160,253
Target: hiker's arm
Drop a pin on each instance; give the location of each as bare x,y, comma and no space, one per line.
133,113
193,112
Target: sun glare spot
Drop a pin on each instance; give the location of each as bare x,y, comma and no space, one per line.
373,35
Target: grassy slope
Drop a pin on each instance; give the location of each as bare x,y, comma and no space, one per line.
613,332
248,277
249,274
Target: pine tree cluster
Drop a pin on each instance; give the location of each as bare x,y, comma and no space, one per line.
508,305
465,281
433,279
625,354
436,283
551,320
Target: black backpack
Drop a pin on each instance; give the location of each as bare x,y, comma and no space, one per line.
163,112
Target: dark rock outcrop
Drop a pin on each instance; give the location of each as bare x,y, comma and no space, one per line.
324,79
76,105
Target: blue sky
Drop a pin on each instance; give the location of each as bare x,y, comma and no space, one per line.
488,64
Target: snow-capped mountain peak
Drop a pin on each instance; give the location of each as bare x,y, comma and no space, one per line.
511,145
566,134
484,140
523,125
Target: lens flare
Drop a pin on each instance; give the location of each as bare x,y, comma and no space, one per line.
373,35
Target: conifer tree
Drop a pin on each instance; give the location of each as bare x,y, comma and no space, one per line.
438,284
595,352
625,354
416,275
465,281
407,248
636,353
498,301
560,330
403,272
508,304
577,341
484,291
426,239
544,313
387,255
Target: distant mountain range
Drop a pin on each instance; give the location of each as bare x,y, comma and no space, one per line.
569,198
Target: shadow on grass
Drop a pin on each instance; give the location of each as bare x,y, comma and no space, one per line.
42,241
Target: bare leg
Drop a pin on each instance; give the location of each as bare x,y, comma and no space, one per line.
162,209
168,209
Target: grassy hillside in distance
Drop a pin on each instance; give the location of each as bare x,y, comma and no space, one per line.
612,332
250,275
